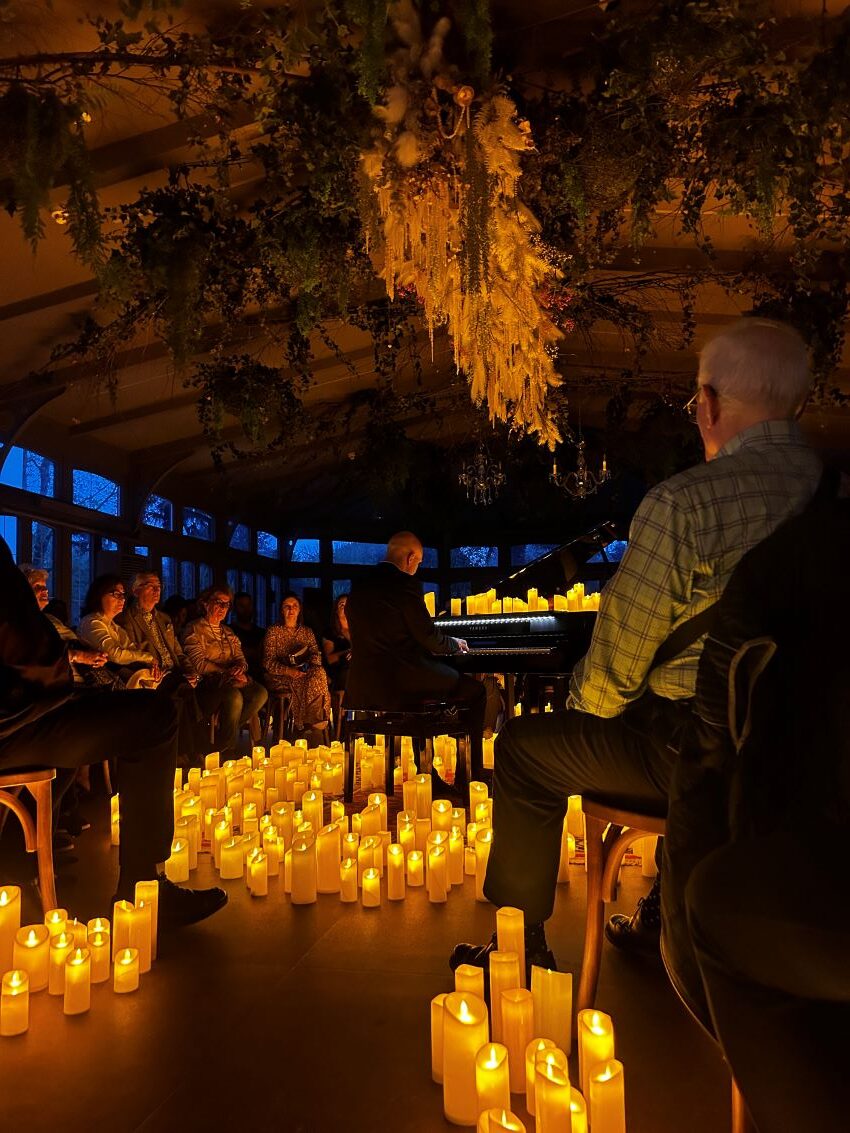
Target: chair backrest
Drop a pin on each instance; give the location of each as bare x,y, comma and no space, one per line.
13,778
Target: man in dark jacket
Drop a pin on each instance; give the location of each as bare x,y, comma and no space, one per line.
44,722
395,646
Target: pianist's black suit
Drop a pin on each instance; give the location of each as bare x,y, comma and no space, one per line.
393,646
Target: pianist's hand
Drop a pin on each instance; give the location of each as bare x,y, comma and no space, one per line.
462,645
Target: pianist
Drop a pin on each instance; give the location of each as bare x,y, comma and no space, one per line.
617,738
393,646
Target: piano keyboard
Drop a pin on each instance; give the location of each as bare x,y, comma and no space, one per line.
519,650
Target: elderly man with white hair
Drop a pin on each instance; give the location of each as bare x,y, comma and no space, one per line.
630,695
151,629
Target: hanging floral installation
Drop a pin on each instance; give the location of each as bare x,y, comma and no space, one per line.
445,170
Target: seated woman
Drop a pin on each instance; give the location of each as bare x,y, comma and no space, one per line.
293,665
77,652
105,598
214,651
336,646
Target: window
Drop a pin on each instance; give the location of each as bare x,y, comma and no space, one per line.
246,582
233,580
97,493
9,531
341,586
141,549
366,554
108,545
260,601
613,552
168,576
460,589
299,585
267,545
187,580
158,512
475,556
240,537
82,562
199,524
42,549
28,470
305,551
276,592
528,552
205,576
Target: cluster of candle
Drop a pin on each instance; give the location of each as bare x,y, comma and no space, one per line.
521,1046
66,956
574,601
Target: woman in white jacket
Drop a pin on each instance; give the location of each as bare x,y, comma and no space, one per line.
105,599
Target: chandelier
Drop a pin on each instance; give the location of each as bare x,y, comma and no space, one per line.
581,483
482,476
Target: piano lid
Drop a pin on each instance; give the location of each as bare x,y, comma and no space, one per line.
558,570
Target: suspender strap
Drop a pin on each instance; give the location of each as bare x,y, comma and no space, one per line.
684,636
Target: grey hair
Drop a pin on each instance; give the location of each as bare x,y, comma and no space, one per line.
33,573
142,579
758,362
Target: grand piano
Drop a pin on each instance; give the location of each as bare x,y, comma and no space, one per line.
538,643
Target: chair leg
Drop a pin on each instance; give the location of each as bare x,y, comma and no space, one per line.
107,778
348,785
741,1120
389,769
595,914
43,796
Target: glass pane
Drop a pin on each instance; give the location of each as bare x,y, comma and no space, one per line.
240,538
158,512
28,470
305,551
613,552
141,549
475,556
260,601
81,572
460,589
364,554
43,543
98,493
233,580
108,545
205,576
246,582
341,586
267,545
528,552
169,576
9,531
187,580
199,524
277,591
299,585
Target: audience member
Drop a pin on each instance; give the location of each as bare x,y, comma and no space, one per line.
225,687
293,665
105,599
177,608
77,651
244,625
336,646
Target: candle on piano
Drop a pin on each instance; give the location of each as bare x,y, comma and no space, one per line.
532,599
455,606
430,603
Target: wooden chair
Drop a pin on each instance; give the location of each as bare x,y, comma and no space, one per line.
609,831
38,835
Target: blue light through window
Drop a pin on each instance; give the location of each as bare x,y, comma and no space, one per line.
141,549
199,524
43,544
97,493
169,576
9,531
305,551
108,545
613,552
240,537
341,586
528,552
158,512
475,556
28,470
267,545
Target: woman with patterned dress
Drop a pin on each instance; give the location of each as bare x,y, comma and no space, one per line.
293,665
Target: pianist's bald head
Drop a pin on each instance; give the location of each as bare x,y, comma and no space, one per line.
404,551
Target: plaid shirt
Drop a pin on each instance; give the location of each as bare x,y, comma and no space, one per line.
685,539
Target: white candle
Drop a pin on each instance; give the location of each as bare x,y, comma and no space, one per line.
10,922
328,859
258,874
492,1077
504,976
553,1005
423,796
595,1033
437,1011
125,976
470,979
552,1093
274,850
456,849
348,880
483,840
534,1049
607,1098
437,874
477,794
61,947
31,954
98,946
141,933
177,865
366,855
510,936
469,861
78,982
464,1034
232,859
395,873
56,920
371,889
499,1121
415,868
578,1112
14,1002
441,815
517,1032
303,872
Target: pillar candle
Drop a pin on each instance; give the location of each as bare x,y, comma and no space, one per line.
415,868
56,920
98,946
421,832
14,1002
10,922
492,1077
535,1048
141,933
371,889
430,603
575,816
469,861
441,815
366,856
232,861
273,849
470,978
287,871
379,799
437,1010
607,1102
568,851
595,1033
436,838
348,880
553,1005
489,744
455,607
552,1093
482,853
31,953
578,1112
125,975
312,807
408,796
437,874
250,820
395,873
303,872
464,1034
504,975
517,1032
177,865
212,761
222,830
510,937
423,796
114,820
258,873
337,810
407,837
456,849
477,794
77,982
61,947
499,1121
328,859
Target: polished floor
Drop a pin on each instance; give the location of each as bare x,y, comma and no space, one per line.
315,1020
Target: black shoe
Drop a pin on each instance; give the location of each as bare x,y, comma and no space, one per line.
478,955
63,843
179,907
640,933
73,824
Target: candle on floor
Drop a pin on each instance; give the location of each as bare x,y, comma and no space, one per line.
14,1002
177,865
568,851
578,1112
370,892
470,979
492,1077
114,820
56,920
607,1102
366,855
221,831
10,922
303,872
212,761
534,1049
552,1093
408,797
483,840
595,1033
441,815
504,975
517,1032
553,1005
499,1121
125,975
348,880
437,874
456,849
328,859
415,868
469,861
141,933
31,953
232,859
350,845
258,874
79,932
464,1034
437,1012
510,937
312,807
395,873
61,947
423,796
77,982
477,794
273,849
98,946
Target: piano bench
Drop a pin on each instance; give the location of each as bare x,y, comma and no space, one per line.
434,718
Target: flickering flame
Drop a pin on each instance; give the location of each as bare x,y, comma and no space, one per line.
464,1012
596,1024
62,940
126,957
16,979
98,939
32,939
178,847
605,1074
77,957
55,917
493,1061
4,897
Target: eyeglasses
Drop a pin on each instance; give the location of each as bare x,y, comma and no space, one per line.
220,605
119,594
151,586
692,406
